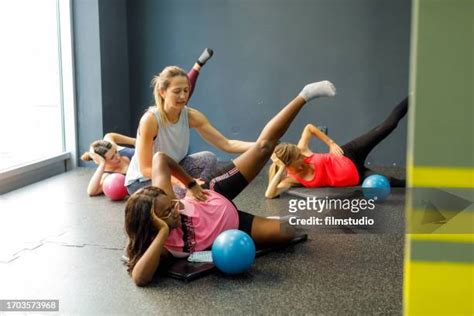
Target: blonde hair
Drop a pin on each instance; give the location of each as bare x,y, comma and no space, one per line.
287,153
161,82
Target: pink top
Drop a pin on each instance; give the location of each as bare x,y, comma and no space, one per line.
201,223
330,171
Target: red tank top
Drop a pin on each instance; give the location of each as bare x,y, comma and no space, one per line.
330,171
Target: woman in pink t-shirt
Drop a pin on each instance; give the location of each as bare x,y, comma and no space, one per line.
158,225
295,165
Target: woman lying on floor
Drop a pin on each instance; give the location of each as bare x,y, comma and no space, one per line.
158,225
109,158
112,158
295,165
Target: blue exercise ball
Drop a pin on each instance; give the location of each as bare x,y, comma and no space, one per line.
233,251
376,187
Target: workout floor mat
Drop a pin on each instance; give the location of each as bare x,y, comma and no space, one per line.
345,192
184,270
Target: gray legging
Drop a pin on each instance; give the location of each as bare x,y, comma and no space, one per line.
200,165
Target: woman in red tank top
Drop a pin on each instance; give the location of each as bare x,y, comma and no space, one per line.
295,165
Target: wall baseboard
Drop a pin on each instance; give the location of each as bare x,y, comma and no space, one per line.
21,176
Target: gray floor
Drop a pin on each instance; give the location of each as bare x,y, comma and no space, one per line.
57,243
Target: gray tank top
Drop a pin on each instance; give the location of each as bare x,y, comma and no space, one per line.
172,140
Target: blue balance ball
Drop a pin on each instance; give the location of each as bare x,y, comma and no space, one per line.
376,187
233,251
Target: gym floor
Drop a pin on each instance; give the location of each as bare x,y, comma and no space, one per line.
57,243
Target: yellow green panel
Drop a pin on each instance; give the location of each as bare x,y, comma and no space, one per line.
458,238
441,83
438,288
441,177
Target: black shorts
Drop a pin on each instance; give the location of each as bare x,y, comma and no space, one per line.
245,222
229,184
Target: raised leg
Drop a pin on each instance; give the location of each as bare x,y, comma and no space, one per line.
358,149
194,72
252,161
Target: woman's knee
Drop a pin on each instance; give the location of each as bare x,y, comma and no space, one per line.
266,147
159,157
200,158
209,157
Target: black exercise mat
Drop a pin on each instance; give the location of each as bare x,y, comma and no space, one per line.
184,270
187,271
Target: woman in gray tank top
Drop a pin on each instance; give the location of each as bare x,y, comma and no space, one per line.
165,128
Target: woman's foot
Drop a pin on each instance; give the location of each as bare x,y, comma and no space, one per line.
205,56
318,89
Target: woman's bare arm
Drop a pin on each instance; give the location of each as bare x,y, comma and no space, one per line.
119,139
148,129
146,266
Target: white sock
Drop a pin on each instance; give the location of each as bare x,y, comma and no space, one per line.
318,89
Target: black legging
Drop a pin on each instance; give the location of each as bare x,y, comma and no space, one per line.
358,149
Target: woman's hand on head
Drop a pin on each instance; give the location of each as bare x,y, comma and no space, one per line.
277,161
158,222
198,193
336,150
98,159
274,158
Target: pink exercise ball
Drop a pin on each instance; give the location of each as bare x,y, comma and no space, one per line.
114,187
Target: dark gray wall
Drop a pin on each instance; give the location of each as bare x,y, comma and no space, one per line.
266,50
87,72
114,65
101,68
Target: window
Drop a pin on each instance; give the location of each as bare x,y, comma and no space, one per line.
36,99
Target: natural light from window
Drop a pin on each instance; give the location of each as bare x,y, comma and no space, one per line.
30,107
